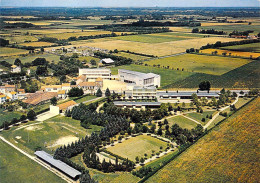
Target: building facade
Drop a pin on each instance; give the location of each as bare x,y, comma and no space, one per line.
91,74
139,92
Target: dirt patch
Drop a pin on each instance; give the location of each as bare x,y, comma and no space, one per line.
33,128
64,141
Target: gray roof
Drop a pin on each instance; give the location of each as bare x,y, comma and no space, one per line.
139,74
58,164
137,103
107,60
187,94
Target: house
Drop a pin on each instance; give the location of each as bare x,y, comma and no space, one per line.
93,74
139,78
107,61
2,98
62,94
9,88
51,88
39,97
13,95
15,69
66,87
61,108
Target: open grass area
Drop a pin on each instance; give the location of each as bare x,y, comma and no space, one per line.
232,53
254,47
200,63
5,51
228,153
198,116
167,76
182,122
37,44
231,28
137,146
19,38
46,135
84,99
8,116
132,56
16,167
246,76
30,58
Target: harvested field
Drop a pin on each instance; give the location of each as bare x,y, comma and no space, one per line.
4,51
231,53
254,47
37,44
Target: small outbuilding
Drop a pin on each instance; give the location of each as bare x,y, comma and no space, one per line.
107,61
62,107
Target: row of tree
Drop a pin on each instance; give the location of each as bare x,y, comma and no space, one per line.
209,31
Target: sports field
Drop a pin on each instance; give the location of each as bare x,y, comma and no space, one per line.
229,153
16,167
137,146
200,63
231,53
4,51
254,47
182,122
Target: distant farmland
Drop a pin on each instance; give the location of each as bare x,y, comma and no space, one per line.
254,47
231,53
229,153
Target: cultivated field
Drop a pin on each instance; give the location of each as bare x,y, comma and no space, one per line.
37,44
232,53
16,167
18,39
255,47
231,28
4,51
137,146
132,56
227,154
182,122
200,63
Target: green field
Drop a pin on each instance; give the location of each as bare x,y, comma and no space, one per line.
137,146
16,167
8,116
231,28
246,76
182,122
47,135
48,57
228,153
167,76
199,116
254,47
4,51
200,63
84,99
132,56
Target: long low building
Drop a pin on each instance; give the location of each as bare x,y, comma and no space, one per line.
186,95
139,78
61,166
91,74
137,104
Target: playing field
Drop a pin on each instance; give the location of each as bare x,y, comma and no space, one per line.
168,76
229,153
255,47
182,122
200,63
37,44
16,167
4,51
137,146
232,53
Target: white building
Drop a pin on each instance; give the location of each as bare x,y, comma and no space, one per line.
92,74
13,95
15,69
139,78
139,92
107,61
2,99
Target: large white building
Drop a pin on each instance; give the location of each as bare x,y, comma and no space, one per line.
139,92
92,74
139,78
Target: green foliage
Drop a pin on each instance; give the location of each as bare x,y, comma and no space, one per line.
75,92
99,93
31,115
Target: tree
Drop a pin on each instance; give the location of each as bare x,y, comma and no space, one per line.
142,160
93,62
42,49
165,122
73,83
63,79
204,85
54,101
42,70
75,92
31,115
159,132
107,93
17,62
99,93
137,159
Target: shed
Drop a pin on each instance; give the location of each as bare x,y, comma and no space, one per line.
107,61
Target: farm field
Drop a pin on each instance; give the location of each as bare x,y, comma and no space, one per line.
132,56
226,154
200,63
37,44
199,116
254,47
77,34
137,146
167,76
231,28
16,167
46,135
182,122
157,49
232,53
19,39
4,51
246,76
8,116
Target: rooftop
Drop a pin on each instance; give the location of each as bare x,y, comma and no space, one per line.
87,84
138,74
137,103
58,164
66,104
200,94
107,60
38,97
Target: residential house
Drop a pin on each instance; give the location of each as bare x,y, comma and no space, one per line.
15,69
39,97
2,98
13,95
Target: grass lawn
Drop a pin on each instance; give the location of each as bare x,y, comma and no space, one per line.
137,146
182,122
5,51
228,153
47,135
254,47
84,99
8,116
167,76
199,116
16,167
200,63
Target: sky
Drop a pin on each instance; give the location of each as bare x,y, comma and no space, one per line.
131,3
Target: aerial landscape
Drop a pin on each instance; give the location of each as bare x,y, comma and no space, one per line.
129,91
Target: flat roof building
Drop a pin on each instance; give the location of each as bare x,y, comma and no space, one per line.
140,92
137,104
139,78
186,95
95,73
61,166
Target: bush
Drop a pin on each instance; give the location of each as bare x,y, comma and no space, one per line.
75,92
31,115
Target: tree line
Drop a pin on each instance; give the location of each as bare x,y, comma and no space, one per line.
209,31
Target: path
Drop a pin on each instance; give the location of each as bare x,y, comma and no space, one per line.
45,165
216,115
192,119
